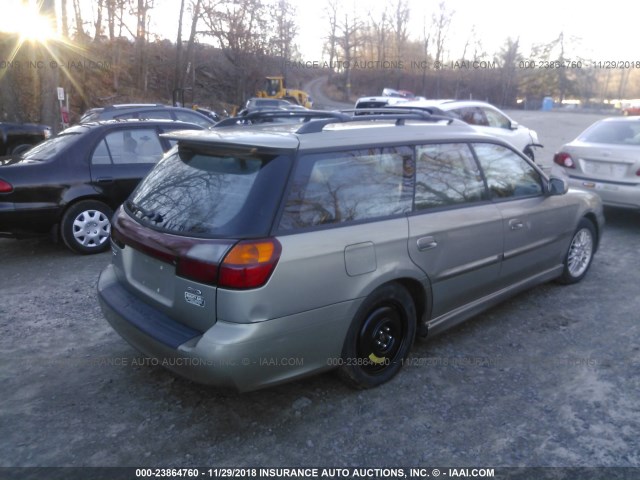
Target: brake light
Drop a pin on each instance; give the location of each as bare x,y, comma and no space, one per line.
198,270
5,187
638,173
249,264
564,160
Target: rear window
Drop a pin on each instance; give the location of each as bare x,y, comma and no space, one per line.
617,132
212,193
50,148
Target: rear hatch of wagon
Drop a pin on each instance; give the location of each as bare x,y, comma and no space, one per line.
199,221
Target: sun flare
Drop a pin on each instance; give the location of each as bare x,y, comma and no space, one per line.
25,20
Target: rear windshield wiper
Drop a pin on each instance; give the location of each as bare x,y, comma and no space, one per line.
154,217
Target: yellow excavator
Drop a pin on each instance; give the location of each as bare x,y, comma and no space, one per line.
274,88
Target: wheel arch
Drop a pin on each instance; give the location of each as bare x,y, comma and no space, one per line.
593,219
421,300
71,200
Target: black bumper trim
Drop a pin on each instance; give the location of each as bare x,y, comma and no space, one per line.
144,317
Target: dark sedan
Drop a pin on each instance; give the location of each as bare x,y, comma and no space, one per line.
69,185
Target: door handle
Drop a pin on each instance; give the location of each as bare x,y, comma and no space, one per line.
516,224
104,179
426,243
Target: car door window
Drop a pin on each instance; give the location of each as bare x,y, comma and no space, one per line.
496,119
446,174
508,175
134,146
101,154
350,186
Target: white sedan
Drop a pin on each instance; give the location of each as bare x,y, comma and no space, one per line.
485,118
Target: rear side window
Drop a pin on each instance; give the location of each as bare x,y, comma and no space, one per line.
211,194
349,186
446,174
508,174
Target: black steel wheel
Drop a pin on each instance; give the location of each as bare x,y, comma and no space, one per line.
380,337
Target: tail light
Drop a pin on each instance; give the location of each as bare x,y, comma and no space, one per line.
240,265
564,160
249,264
638,173
5,187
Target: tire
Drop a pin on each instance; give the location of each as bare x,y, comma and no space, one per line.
379,338
580,254
86,227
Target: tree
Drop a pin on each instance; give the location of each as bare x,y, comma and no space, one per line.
509,57
349,41
331,40
239,30
441,21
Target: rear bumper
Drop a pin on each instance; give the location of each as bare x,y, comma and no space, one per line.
244,356
612,194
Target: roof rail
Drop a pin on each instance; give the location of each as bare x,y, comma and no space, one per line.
314,121
305,115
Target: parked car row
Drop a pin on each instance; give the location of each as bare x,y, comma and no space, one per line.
411,220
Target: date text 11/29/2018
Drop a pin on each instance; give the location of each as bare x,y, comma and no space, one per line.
579,64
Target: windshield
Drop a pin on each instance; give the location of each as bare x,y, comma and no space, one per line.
616,132
213,193
48,149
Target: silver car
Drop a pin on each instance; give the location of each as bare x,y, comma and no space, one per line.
254,255
486,119
605,159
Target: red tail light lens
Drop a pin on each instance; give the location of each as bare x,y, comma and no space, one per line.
249,264
564,160
5,187
198,270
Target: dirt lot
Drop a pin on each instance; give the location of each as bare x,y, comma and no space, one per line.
549,378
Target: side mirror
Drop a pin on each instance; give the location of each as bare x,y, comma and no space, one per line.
514,125
557,186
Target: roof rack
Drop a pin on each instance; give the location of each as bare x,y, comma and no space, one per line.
316,120
306,116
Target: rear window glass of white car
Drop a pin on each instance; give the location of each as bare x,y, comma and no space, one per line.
619,133
211,194
508,175
446,174
349,186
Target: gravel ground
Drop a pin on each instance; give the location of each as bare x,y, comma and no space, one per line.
548,378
